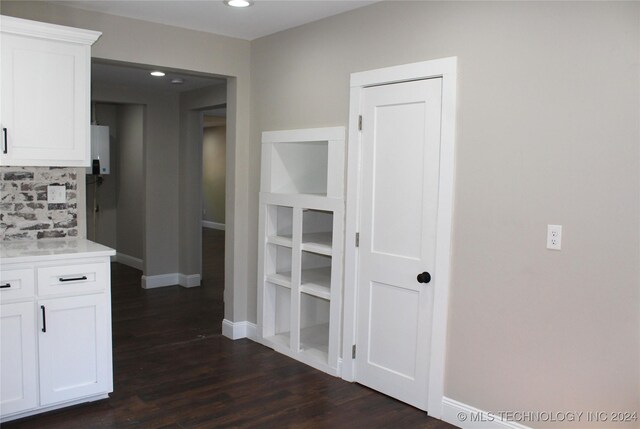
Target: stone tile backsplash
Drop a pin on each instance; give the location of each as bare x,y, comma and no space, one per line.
24,211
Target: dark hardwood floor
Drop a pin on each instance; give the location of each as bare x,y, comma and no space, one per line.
174,369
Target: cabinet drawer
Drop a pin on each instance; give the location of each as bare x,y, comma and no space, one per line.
76,278
16,283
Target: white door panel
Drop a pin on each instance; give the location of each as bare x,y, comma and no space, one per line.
18,384
398,206
75,360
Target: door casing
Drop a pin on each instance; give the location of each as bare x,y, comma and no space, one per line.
446,69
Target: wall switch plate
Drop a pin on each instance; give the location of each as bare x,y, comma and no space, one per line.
554,237
56,194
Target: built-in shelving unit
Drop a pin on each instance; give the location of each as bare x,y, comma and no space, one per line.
301,244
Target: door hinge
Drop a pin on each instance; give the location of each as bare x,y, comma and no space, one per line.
360,123
353,351
357,239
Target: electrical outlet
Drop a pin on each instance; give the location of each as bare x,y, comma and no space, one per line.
56,194
554,237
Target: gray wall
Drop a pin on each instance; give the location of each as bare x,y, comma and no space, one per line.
213,173
130,213
160,172
547,132
139,42
120,220
192,103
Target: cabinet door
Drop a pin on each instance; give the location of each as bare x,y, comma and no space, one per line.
45,102
18,384
75,348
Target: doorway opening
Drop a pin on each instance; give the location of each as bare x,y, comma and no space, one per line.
214,144
162,179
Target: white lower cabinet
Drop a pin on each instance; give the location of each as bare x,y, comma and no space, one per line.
18,383
55,334
74,348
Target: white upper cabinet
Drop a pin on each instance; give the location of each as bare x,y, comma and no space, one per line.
45,75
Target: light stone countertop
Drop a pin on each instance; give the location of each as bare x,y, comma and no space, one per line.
50,249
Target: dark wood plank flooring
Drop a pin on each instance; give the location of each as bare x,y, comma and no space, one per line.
174,369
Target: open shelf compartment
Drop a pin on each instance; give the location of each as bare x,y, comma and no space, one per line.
277,323
279,225
304,162
278,265
314,327
299,168
316,275
317,231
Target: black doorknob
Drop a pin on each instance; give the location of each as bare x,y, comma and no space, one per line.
424,277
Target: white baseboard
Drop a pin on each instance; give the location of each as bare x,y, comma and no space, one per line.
191,280
162,280
468,417
173,279
237,330
213,225
129,260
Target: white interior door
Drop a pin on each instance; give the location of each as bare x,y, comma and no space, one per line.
398,213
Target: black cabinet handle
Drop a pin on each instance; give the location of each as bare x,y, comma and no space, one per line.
4,132
72,279
4,286
44,319
424,277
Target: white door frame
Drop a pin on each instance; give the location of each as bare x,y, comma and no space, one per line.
446,69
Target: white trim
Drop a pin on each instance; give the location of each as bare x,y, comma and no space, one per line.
25,27
189,280
213,225
468,417
303,135
172,279
252,331
394,74
162,280
445,68
129,260
238,330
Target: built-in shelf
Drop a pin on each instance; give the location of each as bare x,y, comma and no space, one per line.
282,279
282,339
316,290
317,282
318,242
314,341
303,162
280,240
301,239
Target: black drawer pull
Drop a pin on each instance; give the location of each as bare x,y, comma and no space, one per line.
5,286
4,132
44,319
73,279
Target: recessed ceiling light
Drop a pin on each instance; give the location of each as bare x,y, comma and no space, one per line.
157,73
238,3
177,80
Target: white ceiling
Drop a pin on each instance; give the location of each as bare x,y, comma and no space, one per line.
263,18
